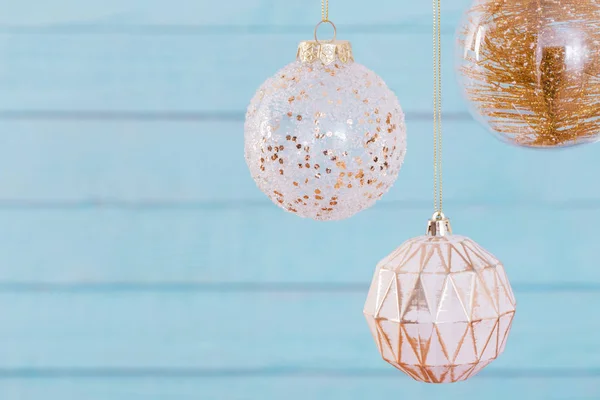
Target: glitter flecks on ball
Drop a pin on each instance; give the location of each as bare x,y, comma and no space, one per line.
324,137
440,307
530,70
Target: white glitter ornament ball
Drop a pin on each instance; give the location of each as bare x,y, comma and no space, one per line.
324,137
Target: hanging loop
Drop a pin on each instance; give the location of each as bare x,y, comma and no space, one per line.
334,32
438,216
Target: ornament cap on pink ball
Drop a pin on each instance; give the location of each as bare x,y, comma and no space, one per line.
325,137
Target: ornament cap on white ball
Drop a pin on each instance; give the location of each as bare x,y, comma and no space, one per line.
327,53
325,137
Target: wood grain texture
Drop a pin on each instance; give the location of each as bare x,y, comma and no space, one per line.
74,13
139,260
212,72
265,245
245,334
299,388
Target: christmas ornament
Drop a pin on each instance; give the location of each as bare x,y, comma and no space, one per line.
440,307
530,69
324,137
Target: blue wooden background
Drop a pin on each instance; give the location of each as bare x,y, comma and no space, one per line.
139,261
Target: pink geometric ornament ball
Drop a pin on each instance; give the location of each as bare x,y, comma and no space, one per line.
440,307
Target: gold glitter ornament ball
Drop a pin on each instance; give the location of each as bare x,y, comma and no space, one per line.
440,308
324,137
530,69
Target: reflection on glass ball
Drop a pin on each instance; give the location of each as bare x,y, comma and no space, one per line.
324,141
440,308
530,69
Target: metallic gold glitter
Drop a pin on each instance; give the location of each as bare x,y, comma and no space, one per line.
302,104
531,69
327,53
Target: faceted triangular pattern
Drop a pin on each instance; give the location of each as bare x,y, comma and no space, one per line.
434,286
390,306
391,335
440,308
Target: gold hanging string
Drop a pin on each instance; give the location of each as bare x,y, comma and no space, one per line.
437,109
325,10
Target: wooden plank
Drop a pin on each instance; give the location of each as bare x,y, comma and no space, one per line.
90,162
210,245
313,387
212,72
205,12
241,333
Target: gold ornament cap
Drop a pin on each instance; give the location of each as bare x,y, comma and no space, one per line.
439,225
327,51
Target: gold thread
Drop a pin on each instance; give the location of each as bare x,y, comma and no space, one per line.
434,38
437,108
439,48
325,10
